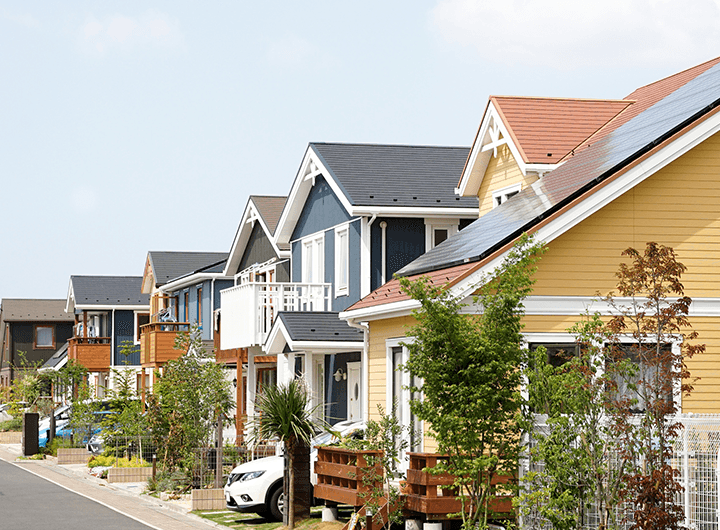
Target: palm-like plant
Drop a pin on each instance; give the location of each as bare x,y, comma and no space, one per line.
284,412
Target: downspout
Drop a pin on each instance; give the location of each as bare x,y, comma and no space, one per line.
383,252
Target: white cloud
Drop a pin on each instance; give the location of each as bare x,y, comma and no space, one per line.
567,34
121,32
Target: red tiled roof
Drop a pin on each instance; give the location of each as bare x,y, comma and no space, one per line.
646,96
391,291
546,129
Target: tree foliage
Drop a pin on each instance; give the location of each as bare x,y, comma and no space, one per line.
610,416
469,368
188,398
284,412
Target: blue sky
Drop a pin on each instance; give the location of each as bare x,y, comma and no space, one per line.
135,126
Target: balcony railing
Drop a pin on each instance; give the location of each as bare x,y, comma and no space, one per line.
92,352
248,311
157,342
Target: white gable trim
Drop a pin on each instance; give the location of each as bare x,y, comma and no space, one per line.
310,168
250,216
606,194
485,147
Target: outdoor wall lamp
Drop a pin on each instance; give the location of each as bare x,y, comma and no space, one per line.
235,383
339,374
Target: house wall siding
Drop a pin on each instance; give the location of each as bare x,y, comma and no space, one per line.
259,249
405,241
322,210
22,339
124,330
502,171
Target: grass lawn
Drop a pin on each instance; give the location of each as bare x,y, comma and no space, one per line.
251,520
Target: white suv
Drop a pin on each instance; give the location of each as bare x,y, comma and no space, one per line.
257,486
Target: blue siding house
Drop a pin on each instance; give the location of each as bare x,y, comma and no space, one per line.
355,214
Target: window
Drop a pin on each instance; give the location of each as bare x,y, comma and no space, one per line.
500,196
186,302
313,259
266,377
319,389
437,231
199,307
557,354
399,392
647,377
140,320
342,261
44,337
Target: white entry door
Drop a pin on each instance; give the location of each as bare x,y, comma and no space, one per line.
354,394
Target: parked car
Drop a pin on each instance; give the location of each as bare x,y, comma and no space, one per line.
62,417
94,428
257,486
5,412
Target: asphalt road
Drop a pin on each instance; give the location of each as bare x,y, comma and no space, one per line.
30,502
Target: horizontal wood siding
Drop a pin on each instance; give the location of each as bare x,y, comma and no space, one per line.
679,206
502,171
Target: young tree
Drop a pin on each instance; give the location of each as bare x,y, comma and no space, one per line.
471,381
284,412
610,411
188,399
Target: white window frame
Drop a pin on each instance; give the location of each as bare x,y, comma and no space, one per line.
503,194
342,260
313,248
558,338
438,224
404,401
136,331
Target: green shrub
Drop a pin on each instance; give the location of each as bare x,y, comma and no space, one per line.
111,461
57,442
177,481
14,424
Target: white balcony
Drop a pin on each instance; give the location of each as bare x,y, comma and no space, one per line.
248,311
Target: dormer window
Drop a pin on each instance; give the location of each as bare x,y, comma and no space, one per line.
500,196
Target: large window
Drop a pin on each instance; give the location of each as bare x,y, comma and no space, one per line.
313,259
199,307
646,378
400,394
342,261
44,337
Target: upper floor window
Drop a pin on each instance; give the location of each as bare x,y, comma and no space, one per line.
437,231
140,320
342,261
313,259
199,307
500,196
44,337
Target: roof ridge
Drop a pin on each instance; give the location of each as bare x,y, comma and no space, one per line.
419,146
560,98
676,74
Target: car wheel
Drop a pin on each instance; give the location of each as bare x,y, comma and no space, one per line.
277,504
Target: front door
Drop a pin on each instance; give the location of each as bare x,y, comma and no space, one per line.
354,394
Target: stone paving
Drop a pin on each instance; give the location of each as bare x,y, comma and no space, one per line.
125,498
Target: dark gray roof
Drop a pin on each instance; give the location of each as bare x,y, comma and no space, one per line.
579,174
270,207
16,310
57,357
107,291
168,266
315,326
397,175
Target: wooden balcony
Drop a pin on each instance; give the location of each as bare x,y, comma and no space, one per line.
340,475
94,353
157,343
433,495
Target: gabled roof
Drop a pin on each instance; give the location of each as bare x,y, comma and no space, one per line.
403,180
34,310
162,266
263,209
312,330
585,183
535,128
546,129
106,292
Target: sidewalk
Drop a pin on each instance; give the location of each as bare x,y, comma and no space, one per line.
124,498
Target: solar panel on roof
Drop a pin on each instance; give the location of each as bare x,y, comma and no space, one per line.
604,158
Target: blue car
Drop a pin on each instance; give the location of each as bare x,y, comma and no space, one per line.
62,417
